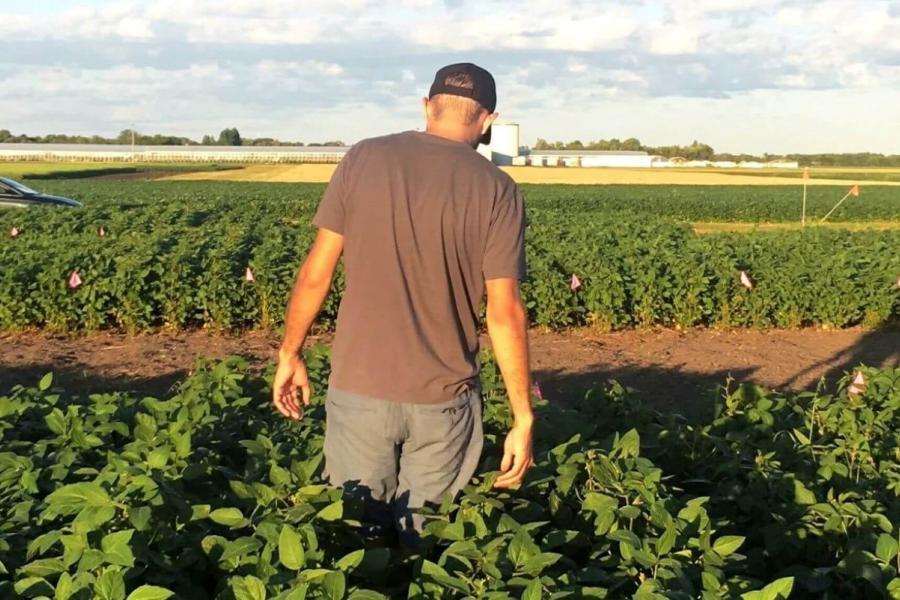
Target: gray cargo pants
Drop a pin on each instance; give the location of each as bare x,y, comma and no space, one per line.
399,456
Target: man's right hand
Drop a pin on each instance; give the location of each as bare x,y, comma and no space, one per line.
518,455
290,375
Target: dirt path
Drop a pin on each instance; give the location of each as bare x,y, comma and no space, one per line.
670,370
321,173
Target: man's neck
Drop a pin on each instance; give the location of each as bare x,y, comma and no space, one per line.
449,133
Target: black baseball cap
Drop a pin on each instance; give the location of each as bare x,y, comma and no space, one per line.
483,90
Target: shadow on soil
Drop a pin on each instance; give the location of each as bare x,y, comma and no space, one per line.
690,393
693,393
85,379
874,348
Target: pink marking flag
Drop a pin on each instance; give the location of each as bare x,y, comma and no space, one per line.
74,280
101,231
854,191
806,174
575,283
248,275
858,385
14,232
746,281
536,390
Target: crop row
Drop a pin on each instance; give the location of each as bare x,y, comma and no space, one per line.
691,203
722,203
179,256
210,494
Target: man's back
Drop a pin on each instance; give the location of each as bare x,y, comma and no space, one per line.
425,221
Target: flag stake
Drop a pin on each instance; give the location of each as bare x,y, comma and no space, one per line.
855,189
805,179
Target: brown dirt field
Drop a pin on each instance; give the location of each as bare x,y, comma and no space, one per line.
670,370
664,176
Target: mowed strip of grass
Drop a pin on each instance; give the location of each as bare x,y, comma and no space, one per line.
704,228
80,170
849,174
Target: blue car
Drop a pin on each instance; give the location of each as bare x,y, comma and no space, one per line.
14,194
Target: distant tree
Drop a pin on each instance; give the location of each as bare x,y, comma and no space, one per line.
5,135
208,140
230,137
124,136
632,144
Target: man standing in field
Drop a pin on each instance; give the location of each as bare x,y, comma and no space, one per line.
425,225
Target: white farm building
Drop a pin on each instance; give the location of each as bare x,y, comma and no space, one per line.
171,154
589,158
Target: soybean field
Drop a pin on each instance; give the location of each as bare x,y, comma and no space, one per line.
205,493
180,255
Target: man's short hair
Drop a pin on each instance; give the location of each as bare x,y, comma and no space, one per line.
468,110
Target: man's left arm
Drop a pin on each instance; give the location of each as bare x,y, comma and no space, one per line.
309,292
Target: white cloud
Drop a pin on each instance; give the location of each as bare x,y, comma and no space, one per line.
326,67
673,38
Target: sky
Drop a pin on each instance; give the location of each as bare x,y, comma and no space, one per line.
742,75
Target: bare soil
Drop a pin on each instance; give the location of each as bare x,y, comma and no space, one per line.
670,370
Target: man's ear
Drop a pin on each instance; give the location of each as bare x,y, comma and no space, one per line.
488,121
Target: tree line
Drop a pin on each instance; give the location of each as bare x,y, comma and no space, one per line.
694,151
700,151
227,137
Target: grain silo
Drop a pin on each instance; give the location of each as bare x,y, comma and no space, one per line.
504,143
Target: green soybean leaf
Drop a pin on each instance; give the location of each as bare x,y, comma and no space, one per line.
150,592
73,497
297,593
887,547
334,585
333,511
45,382
44,567
350,561
728,544
32,587
158,458
439,575
780,589
241,547
110,585
533,590
366,595
56,421
116,546
230,517
630,444
802,494
626,537
63,587
536,564
521,549
248,588
290,550
666,540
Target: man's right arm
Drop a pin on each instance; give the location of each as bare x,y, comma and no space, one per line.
508,329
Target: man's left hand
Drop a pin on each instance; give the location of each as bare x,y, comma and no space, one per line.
291,375
517,455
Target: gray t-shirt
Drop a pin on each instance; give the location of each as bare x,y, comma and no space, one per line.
426,221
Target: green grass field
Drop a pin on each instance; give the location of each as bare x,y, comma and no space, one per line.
79,170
